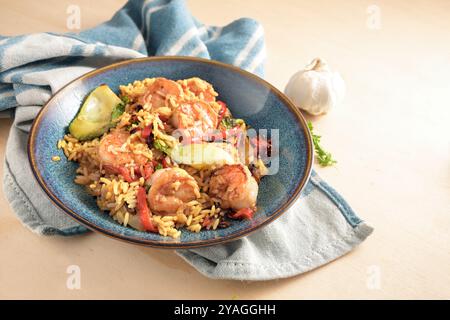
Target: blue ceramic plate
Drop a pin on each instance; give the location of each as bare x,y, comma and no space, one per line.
248,97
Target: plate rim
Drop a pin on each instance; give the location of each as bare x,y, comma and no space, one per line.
155,243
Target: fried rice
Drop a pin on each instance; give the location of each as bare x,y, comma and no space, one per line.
117,195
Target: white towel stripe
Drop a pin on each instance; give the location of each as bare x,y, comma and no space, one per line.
137,43
5,95
202,30
257,60
185,38
251,43
144,13
147,18
216,33
198,49
88,50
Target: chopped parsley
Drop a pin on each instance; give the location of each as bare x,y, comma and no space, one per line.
324,158
230,123
120,108
158,166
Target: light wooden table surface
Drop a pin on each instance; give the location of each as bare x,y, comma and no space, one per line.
391,137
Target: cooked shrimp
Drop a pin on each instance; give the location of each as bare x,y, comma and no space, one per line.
234,186
197,117
171,188
200,88
113,150
159,91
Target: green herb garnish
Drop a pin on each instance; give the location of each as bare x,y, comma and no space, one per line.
120,108
158,166
324,158
161,146
230,123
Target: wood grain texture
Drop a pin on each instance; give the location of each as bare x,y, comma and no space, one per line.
390,136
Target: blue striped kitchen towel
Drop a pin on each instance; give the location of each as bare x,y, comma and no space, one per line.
33,67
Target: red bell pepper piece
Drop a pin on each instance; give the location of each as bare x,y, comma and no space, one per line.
222,111
144,211
245,213
164,163
146,132
124,172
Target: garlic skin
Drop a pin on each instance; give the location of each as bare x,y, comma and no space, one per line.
316,89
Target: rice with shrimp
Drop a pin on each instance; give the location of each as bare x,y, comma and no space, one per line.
132,157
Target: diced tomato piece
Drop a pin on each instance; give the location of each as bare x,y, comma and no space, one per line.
222,111
144,211
146,132
245,213
124,172
222,104
206,222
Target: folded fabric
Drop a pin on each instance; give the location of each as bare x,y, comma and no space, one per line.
318,228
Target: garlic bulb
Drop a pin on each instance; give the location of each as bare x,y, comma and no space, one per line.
316,89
